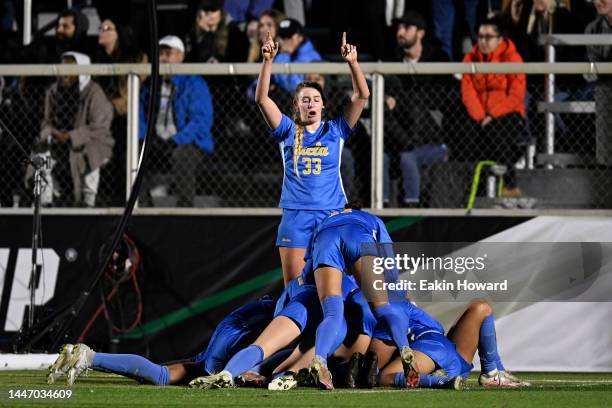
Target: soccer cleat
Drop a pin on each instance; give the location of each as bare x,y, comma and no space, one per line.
221,380
508,375
368,378
412,375
320,374
252,379
501,379
457,383
354,369
60,366
284,383
80,360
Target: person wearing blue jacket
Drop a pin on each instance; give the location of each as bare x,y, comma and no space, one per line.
294,48
183,140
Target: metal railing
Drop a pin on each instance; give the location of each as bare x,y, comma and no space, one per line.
376,73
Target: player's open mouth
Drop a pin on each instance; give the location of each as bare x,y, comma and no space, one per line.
312,113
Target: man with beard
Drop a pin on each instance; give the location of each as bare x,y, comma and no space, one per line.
413,120
70,35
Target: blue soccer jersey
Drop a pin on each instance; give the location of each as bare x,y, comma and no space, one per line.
235,332
317,184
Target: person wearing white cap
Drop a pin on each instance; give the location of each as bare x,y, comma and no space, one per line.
183,140
76,125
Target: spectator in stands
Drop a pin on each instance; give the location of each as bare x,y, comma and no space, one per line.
243,11
515,16
443,12
413,129
294,48
213,39
269,21
603,87
116,45
70,35
183,140
77,123
495,103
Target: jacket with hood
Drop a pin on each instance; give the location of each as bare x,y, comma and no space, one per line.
91,142
494,95
193,111
305,53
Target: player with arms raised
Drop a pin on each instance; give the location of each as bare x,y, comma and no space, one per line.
311,149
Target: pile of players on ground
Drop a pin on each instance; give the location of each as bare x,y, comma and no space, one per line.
323,333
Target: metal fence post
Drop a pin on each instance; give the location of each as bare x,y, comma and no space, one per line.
27,22
549,88
378,109
132,133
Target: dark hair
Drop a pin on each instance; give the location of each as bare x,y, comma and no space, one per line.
69,13
354,205
497,22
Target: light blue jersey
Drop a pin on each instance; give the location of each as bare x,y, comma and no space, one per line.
317,184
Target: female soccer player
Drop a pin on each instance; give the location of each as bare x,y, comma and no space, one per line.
311,150
295,316
234,332
473,331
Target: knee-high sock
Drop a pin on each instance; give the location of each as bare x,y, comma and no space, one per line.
327,332
244,360
397,325
430,381
132,366
487,346
425,381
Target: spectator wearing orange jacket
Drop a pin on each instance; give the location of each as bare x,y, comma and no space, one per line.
495,102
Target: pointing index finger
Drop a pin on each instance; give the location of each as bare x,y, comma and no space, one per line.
343,38
269,38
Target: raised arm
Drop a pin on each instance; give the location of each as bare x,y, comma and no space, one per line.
272,115
361,93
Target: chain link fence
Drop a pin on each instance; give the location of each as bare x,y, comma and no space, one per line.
435,155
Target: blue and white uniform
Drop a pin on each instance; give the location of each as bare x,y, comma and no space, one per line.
236,331
300,303
344,237
426,335
309,196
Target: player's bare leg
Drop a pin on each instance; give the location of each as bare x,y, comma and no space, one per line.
292,262
465,333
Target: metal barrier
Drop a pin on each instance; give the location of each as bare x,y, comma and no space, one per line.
245,170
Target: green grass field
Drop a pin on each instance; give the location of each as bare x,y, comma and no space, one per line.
107,390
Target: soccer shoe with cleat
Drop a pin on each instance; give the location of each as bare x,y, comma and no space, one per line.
221,380
80,361
354,369
368,377
456,383
284,383
252,379
320,374
411,374
60,366
501,379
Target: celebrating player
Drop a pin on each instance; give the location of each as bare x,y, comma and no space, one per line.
443,361
235,331
311,149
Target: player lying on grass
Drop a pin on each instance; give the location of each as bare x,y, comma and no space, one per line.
355,339
443,361
234,332
295,320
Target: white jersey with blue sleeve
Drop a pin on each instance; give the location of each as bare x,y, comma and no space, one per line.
317,184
